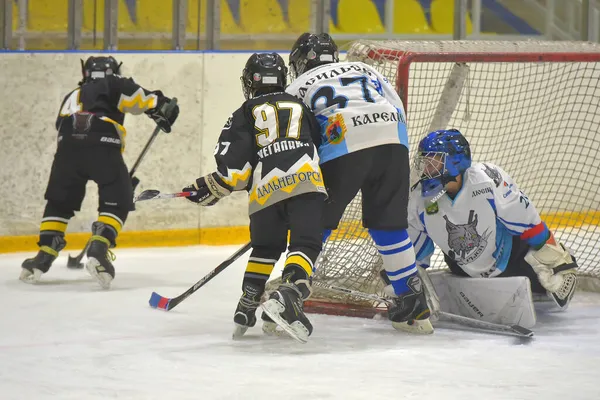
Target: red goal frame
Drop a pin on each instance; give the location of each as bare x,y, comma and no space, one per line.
405,59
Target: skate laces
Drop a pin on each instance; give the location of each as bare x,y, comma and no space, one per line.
109,254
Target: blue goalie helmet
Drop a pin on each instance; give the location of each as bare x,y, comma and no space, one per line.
442,156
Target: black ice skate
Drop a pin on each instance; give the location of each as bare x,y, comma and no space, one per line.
410,312
245,313
33,268
285,308
99,263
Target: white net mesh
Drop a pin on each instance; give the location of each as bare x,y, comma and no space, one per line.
533,108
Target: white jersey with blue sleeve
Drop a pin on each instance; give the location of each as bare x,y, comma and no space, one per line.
355,105
476,228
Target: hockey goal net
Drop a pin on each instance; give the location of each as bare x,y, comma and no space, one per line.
532,108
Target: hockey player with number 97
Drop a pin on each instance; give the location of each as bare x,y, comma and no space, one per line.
484,224
267,147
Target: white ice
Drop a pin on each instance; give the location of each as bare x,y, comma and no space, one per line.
68,339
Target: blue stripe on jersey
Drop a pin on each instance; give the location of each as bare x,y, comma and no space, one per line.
402,132
514,233
425,250
493,205
503,247
516,223
539,240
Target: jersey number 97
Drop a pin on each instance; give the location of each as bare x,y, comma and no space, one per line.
284,119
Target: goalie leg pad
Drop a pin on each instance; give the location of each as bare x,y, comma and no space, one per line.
498,300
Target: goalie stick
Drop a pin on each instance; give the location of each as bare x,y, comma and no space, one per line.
75,262
165,303
153,194
453,318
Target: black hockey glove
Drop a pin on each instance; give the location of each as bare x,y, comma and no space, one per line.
164,114
210,188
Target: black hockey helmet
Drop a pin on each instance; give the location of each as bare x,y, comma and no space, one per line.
312,50
263,71
99,67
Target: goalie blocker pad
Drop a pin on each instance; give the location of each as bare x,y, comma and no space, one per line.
498,300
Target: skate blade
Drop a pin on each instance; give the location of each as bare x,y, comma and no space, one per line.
296,330
238,331
103,278
270,329
29,277
421,327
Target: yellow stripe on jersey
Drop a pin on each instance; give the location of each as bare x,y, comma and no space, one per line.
57,226
237,179
301,261
138,102
262,191
120,130
108,220
258,268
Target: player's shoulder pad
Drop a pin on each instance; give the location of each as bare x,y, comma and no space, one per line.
485,172
503,186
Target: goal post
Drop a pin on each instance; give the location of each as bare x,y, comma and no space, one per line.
531,107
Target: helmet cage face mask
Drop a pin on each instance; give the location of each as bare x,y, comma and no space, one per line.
443,155
431,167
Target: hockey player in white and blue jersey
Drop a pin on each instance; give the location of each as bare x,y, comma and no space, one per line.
364,146
484,225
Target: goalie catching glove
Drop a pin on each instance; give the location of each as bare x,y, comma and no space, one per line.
555,269
210,188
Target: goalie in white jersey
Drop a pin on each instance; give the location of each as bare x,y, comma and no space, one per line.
364,146
482,222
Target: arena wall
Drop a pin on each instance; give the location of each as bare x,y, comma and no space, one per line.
208,89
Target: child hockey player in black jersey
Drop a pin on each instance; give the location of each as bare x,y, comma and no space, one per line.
90,143
267,147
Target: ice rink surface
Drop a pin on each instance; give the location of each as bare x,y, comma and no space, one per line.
68,339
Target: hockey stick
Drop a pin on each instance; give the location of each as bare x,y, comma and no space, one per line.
165,303
75,262
458,319
153,194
